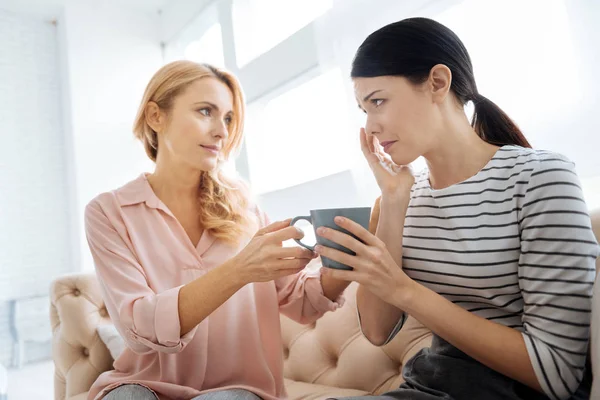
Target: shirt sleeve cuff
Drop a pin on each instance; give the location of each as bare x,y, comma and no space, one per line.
166,324
314,293
394,331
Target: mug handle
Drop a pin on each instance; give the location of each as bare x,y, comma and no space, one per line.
306,218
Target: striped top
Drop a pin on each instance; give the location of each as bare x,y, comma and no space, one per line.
512,244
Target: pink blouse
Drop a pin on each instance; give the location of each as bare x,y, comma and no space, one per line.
143,256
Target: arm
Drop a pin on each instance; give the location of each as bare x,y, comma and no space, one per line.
147,321
380,321
302,298
167,321
556,273
333,288
556,276
262,260
199,298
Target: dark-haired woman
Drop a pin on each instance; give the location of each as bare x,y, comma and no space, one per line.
490,247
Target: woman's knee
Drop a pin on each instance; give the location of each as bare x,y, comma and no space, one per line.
131,392
228,394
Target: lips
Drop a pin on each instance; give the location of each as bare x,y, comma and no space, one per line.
387,144
215,149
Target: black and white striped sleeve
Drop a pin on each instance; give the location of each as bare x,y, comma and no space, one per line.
556,275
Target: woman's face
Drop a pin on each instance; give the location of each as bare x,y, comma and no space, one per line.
401,115
197,127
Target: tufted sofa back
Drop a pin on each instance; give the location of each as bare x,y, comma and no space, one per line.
76,310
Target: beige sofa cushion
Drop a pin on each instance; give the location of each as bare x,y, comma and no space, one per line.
310,391
333,351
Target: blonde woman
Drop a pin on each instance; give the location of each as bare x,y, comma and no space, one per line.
192,286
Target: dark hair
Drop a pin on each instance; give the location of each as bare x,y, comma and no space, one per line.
411,48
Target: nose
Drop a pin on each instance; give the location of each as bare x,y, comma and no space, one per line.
221,130
372,126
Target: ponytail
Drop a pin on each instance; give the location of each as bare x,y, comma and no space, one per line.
494,126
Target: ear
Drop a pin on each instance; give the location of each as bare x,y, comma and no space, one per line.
440,81
155,118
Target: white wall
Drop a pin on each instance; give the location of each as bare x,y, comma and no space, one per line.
34,218
175,15
108,55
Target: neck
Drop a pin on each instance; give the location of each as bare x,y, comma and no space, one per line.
174,182
459,154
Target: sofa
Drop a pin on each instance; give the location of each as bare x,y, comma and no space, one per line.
327,358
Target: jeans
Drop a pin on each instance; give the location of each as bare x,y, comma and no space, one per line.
139,392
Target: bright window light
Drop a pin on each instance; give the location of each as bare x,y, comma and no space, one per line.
208,49
259,25
302,135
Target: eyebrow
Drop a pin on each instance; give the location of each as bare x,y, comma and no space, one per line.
367,97
212,105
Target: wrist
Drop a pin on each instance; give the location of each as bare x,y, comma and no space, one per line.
233,274
395,198
407,295
332,287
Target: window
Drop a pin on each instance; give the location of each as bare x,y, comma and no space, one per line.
207,49
527,66
259,25
305,132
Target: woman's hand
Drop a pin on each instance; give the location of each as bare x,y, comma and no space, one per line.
265,259
392,179
374,267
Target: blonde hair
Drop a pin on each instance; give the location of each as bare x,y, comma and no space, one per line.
224,201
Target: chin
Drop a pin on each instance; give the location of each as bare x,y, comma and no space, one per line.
403,159
209,168
205,166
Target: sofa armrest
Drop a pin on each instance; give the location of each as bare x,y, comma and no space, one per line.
595,334
79,355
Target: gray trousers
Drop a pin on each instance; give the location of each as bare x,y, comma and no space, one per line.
443,372
139,392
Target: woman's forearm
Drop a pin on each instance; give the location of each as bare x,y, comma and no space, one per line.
333,288
199,298
390,228
499,347
379,318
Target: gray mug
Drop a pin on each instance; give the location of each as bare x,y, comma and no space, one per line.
325,218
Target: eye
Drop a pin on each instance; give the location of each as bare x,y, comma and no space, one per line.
205,111
377,102
228,120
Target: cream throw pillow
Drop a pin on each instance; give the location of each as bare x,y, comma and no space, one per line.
111,338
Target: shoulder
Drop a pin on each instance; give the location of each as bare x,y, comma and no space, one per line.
110,202
523,159
522,168
547,169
